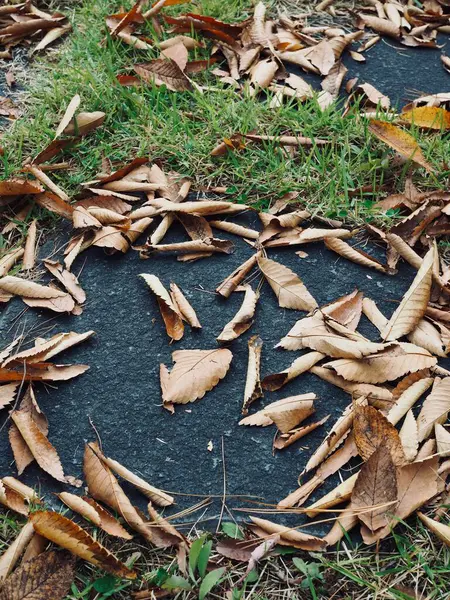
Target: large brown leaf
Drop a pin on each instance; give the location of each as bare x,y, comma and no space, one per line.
195,372
371,430
328,337
164,72
290,291
417,483
286,413
45,577
393,362
376,486
68,535
401,141
414,304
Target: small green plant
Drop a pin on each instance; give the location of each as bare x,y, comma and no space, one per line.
313,575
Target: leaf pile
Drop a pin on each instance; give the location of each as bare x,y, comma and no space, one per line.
25,23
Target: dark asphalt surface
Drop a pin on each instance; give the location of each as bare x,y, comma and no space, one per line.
120,393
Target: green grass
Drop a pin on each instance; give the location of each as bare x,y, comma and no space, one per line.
181,129
412,561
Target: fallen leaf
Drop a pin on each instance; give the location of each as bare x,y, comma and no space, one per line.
169,311
409,436
164,72
183,306
346,310
195,372
338,495
435,408
67,279
414,304
298,367
29,289
17,186
92,511
68,535
227,287
253,389
287,536
353,254
29,256
46,576
288,287
9,259
375,486
372,430
12,554
417,483
394,361
7,394
283,440
243,319
441,530
427,117
401,141
285,414
68,115
320,334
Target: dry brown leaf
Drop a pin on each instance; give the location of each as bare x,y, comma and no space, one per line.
300,365
333,463
103,486
156,495
263,72
285,414
288,287
376,486
353,254
394,361
235,229
29,256
428,117
39,446
243,319
321,56
288,536
442,440
253,389
67,279
53,203
335,436
9,260
319,334
206,245
18,186
36,546
441,530
169,311
346,310
401,141
417,483
12,554
68,115
164,72
227,287
338,495
283,440
85,122
12,500
195,372
372,430
383,26
183,306
406,394
343,524
68,535
92,511
409,436
305,236
203,207
28,289
7,394
47,576
435,408
414,304
44,350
